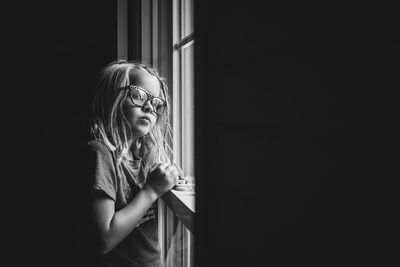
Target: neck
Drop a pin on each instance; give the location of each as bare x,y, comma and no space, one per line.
134,149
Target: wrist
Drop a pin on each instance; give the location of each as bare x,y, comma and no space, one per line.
149,190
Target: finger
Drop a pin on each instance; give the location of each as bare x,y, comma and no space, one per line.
170,168
163,165
175,179
179,177
170,172
154,166
178,168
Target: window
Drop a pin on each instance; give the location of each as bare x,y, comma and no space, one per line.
183,108
183,48
161,33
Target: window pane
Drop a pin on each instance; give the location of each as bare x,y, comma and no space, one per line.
188,111
187,17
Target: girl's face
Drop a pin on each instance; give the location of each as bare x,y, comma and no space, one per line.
142,119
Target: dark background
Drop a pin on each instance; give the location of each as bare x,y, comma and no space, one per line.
295,130
295,134
57,49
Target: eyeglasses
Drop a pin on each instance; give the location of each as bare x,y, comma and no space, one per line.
140,96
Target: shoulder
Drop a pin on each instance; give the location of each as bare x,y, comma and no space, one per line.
97,145
100,155
98,148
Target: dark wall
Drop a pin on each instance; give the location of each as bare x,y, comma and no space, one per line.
57,50
294,122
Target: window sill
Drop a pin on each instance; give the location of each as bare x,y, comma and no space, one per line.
182,203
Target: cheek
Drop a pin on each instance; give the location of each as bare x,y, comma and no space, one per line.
130,114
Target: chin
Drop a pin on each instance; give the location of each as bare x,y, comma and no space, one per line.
139,132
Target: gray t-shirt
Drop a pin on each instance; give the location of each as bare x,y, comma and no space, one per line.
120,180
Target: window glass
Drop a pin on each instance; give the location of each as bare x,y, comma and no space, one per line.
187,17
188,110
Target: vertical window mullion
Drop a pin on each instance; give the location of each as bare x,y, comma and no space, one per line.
176,94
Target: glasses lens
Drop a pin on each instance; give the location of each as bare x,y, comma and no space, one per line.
158,104
139,97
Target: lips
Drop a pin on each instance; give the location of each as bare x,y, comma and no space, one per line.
146,118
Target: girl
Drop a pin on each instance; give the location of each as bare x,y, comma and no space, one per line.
130,163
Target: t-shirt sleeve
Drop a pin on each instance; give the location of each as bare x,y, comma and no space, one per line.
102,169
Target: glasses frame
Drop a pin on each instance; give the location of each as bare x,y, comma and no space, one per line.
150,97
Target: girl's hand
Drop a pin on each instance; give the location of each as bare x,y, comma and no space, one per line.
162,178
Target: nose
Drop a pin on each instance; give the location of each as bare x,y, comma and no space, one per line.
148,107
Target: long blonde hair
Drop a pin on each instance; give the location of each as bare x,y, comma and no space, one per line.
108,122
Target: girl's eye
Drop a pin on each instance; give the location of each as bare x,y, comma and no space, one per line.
156,101
138,95
158,105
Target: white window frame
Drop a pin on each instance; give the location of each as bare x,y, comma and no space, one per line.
181,117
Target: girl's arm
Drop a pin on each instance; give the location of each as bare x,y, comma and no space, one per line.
112,227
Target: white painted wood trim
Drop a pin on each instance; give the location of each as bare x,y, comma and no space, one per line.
183,205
